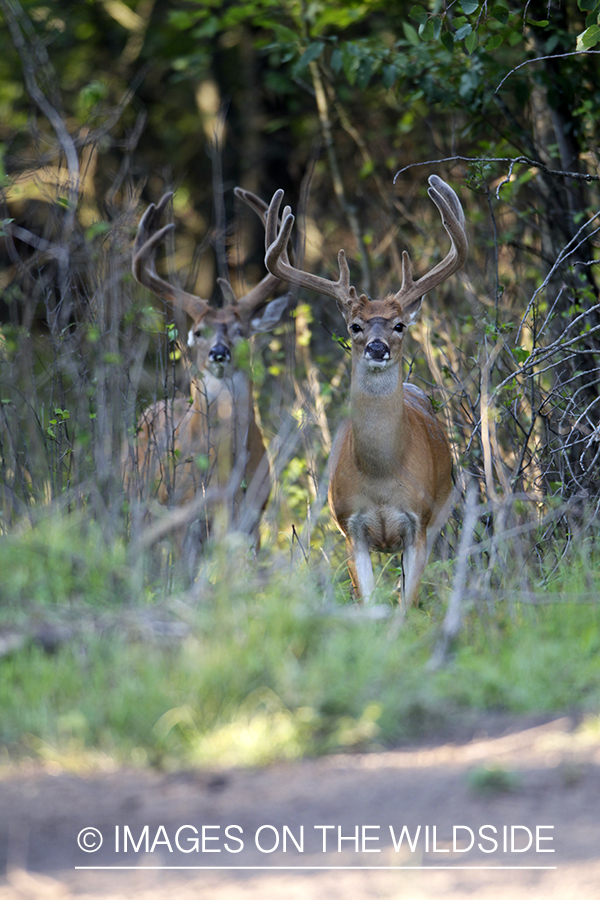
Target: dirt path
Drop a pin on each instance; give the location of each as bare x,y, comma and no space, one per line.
275,818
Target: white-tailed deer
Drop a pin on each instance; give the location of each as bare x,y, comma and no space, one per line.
209,441
390,466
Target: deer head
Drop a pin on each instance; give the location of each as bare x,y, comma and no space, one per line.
214,332
376,327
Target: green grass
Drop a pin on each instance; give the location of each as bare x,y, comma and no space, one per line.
63,559
267,668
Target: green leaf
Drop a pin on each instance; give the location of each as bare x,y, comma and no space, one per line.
418,14
202,462
92,94
365,71
587,5
208,29
427,31
500,13
95,229
312,52
539,24
469,6
520,354
494,42
462,32
389,75
350,61
181,19
336,60
589,38
284,34
516,37
448,41
410,34
4,229
471,41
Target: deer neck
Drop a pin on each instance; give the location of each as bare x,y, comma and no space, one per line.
377,416
226,403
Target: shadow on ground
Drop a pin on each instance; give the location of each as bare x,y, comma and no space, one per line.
473,816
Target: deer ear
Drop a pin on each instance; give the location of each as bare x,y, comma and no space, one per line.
270,315
348,305
411,311
345,307
194,306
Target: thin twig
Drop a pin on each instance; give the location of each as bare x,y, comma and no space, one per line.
453,618
556,173
12,11
338,184
215,152
542,59
296,539
567,251
485,427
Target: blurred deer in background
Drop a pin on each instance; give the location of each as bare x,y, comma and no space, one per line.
210,440
390,466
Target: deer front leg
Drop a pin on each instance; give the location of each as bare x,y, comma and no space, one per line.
415,557
360,567
414,560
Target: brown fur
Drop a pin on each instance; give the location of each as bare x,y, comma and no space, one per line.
209,445
391,464
390,467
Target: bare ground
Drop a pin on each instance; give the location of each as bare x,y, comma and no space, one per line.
554,780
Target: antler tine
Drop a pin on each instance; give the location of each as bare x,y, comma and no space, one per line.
143,264
445,192
262,209
267,286
147,224
453,220
277,263
259,206
273,233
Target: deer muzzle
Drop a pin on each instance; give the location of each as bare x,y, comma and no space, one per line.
377,351
220,354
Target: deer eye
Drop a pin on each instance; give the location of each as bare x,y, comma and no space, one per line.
355,329
399,327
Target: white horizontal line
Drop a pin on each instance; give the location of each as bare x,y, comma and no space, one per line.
316,868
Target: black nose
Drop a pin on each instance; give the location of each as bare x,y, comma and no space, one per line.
219,354
377,350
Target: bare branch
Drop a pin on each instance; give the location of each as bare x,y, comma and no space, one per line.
27,237
567,250
542,59
453,617
534,163
12,12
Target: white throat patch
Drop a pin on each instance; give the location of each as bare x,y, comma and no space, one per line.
378,363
